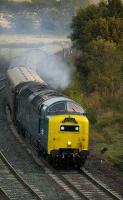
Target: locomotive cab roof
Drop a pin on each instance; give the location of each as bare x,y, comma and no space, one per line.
63,105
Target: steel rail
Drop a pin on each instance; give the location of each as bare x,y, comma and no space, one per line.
100,185
63,181
82,195
18,177
4,194
51,172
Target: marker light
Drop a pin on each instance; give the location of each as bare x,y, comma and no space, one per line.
69,143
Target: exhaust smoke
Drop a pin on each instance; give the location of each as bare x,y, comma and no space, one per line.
51,68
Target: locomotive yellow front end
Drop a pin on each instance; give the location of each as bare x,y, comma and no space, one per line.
68,138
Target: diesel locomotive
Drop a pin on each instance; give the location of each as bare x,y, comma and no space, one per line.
53,123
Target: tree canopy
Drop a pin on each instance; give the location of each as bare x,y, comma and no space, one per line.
104,20
97,36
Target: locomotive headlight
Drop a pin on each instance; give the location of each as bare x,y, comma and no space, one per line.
69,143
77,128
62,128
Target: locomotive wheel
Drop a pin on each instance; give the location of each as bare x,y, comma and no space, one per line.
50,160
77,163
55,163
77,166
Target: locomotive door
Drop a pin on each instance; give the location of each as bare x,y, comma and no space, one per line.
41,126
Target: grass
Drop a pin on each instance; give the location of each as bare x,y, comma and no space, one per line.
105,113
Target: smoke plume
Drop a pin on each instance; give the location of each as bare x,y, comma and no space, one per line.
37,22
51,68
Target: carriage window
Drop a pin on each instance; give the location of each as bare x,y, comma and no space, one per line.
72,107
59,107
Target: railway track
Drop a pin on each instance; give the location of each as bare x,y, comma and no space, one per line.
65,188
13,184
73,185
104,171
80,185
3,195
21,158
2,82
89,187
100,185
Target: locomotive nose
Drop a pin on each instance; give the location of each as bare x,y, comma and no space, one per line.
68,132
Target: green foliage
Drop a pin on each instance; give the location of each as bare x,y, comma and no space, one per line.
109,29
115,8
100,67
97,33
98,21
99,37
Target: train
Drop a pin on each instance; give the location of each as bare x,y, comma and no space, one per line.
56,125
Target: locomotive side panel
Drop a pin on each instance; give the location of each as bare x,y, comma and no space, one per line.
27,117
43,135
35,126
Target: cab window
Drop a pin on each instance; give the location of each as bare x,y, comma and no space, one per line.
74,108
57,108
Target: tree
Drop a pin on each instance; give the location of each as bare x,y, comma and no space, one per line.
115,8
100,67
98,21
99,38
97,33
108,29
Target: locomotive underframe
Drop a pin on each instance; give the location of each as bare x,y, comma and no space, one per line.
69,157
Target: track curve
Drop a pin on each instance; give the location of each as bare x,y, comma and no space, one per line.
13,184
75,185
